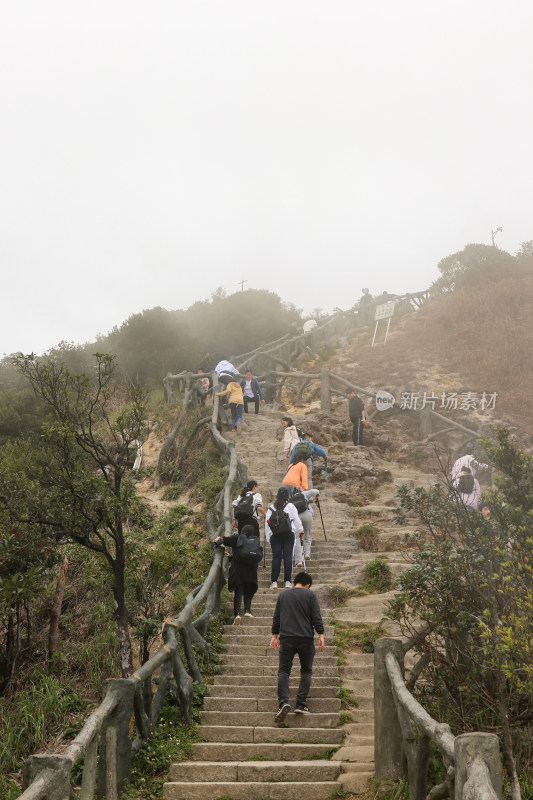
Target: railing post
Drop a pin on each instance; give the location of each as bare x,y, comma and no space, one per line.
477,760
114,766
325,390
425,423
388,748
59,782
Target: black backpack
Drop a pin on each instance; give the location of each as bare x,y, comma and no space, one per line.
465,484
298,499
279,523
248,550
245,507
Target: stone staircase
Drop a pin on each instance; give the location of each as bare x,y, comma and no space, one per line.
243,753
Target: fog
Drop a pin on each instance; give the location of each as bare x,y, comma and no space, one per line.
152,152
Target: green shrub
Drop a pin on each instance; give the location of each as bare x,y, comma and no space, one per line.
172,492
377,576
367,535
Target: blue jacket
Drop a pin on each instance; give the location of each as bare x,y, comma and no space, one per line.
315,451
256,389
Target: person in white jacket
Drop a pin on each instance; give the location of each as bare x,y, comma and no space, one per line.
290,435
282,525
469,461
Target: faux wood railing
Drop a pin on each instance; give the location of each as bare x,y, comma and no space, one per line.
106,743
403,732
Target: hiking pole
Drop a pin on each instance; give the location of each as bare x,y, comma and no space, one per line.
321,517
325,477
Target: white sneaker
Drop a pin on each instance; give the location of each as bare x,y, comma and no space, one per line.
299,564
274,585
288,585
237,620
248,614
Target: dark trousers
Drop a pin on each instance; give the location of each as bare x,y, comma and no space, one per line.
247,400
246,590
288,647
282,547
357,432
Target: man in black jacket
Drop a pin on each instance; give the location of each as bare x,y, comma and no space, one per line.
296,618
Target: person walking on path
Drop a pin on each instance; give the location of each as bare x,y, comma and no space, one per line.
302,545
290,435
356,410
282,524
365,302
296,618
235,403
310,453
296,475
251,391
226,372
205,386
242,577
247,506
469,461
467,489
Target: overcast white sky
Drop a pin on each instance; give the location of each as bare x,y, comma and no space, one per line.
152,151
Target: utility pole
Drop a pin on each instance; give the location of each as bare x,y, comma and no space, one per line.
498,230
243,282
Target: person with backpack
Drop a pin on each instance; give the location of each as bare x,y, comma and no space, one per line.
296,618
282,523
247,506
236,403
467,489
356,410
290,435
296,475
226,372
309,450
469,461
242,578
251,391
302,544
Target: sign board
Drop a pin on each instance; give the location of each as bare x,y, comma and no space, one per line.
385,310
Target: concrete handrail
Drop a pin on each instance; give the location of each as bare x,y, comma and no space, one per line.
403,730
48,776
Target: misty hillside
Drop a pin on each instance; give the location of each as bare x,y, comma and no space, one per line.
478,338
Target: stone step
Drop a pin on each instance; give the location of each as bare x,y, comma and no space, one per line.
256,650
358,781
262,682
359,729
266,735
269,657
250,791
254,771
234,666
266,718
363,687
260,690
236,751
251,704
355,741
362,715
356,673
254,631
